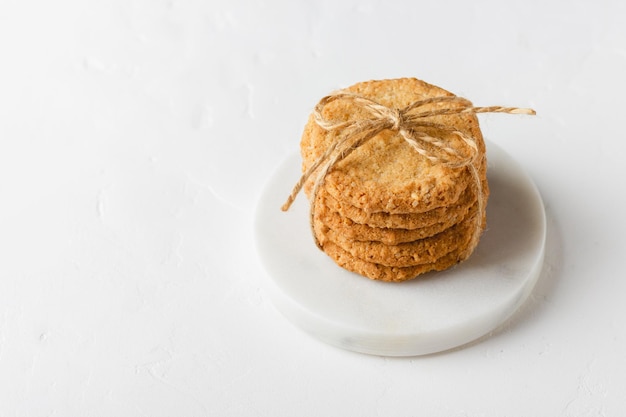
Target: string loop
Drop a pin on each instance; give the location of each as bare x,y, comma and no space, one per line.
413,126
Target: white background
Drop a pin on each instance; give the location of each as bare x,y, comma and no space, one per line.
135,137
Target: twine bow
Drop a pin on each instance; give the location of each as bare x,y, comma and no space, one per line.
413,126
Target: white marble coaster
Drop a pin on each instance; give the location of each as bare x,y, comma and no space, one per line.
433,313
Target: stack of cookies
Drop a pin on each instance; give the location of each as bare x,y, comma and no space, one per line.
385,211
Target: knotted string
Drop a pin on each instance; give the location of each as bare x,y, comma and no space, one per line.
413,127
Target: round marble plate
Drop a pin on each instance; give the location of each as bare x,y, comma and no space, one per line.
435,312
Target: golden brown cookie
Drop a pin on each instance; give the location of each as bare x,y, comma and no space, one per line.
389,273
418,252
386,174
389,236
409,221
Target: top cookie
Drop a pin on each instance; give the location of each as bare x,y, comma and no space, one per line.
386,174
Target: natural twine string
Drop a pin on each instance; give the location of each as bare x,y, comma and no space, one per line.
413,126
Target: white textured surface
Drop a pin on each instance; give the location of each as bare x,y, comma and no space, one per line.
135,136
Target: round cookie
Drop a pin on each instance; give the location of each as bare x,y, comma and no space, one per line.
389,273
389,236
386,174
409,221
405,254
